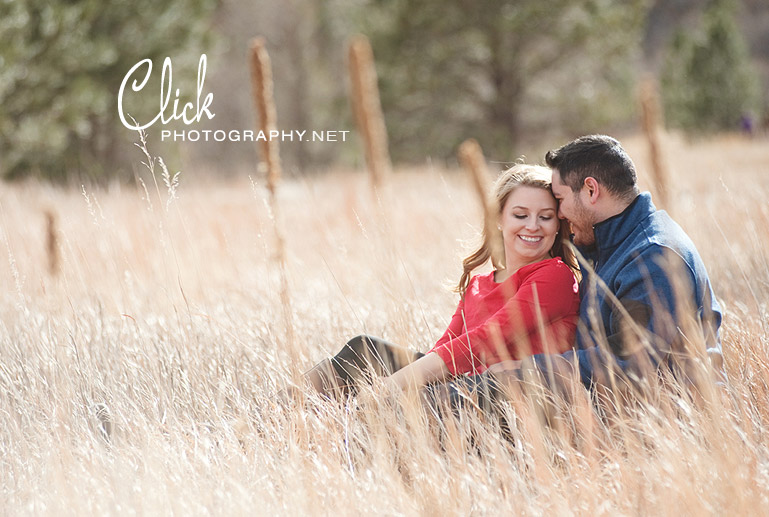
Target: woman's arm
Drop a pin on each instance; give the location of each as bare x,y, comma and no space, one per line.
504,366
424,370
546,295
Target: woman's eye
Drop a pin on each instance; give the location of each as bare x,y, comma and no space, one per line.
546,217
519,216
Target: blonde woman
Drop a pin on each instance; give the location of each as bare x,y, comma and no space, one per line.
527,305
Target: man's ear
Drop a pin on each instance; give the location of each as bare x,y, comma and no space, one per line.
593,189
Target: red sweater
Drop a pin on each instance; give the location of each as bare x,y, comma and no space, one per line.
534,311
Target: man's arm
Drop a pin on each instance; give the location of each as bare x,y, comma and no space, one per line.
651,304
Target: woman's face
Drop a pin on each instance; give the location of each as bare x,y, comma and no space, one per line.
529,224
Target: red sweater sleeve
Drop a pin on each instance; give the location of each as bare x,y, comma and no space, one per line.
545,295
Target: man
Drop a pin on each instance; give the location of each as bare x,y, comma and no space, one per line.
646,303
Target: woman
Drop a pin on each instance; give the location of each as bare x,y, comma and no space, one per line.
527,305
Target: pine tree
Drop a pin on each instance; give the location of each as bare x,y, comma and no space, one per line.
494,69
708,82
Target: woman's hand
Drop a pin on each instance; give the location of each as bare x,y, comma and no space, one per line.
504,366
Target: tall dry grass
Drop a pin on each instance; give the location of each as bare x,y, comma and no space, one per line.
471,157
166,311
364,93
266,117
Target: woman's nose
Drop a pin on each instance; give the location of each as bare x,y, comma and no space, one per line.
532,224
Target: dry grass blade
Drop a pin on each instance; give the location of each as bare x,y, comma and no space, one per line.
368,109
267,120
51,243
261,81
471,158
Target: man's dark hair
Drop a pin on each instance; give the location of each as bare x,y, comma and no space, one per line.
599,156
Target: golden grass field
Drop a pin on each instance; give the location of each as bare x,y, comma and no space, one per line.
167,311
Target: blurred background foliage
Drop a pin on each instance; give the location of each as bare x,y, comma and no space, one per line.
508,73
708,80
61,65
500,71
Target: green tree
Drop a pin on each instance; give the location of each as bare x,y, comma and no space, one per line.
496,69
62,64
676,93
707,80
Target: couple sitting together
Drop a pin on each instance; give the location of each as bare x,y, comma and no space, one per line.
634,302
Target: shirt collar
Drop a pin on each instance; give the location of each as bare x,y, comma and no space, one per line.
610,232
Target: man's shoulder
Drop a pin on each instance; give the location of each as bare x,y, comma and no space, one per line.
656,234
660,249
662,230
662,235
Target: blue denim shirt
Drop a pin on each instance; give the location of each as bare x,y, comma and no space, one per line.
645,296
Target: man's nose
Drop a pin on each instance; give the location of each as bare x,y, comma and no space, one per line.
560,213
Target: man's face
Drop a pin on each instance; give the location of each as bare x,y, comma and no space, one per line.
572,208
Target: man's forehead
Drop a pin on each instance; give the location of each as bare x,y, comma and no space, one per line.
557,180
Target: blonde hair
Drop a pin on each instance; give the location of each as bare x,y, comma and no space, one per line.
517,176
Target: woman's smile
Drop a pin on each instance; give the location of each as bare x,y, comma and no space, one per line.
529,226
